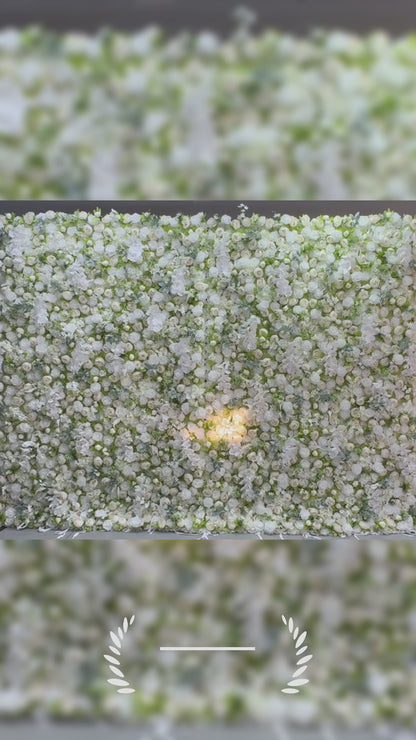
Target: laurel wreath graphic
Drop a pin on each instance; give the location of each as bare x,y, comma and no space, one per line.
125,688
303,662
114,663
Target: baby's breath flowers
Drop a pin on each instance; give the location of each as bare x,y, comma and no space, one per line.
211,374
139,115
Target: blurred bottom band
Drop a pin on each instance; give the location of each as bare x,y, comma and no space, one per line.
356,600
32,731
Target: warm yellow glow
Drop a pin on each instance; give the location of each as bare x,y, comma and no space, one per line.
227,426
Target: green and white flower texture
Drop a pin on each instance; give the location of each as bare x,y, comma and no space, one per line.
208,374
268,116
357,601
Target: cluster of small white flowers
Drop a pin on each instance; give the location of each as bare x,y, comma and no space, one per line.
211,374
139,115
59,600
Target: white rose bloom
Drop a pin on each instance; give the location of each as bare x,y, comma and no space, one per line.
135,251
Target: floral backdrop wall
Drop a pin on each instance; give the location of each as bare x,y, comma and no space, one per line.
357,600
208,374
117,115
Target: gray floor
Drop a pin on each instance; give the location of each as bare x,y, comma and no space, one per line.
75,731
34,534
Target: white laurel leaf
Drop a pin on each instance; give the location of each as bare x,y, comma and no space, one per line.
303,662
122,631
301,639
305,659
112,660
116,671
299,671
115,639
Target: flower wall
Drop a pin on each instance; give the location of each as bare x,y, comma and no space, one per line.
357,600
268,116
208,374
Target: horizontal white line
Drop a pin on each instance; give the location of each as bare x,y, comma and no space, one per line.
221,649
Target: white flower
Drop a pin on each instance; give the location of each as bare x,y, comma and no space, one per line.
156,318
135,251
76,275
178,282
12,700
13,106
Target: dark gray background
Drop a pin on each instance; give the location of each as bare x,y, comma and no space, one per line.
396,16
211,207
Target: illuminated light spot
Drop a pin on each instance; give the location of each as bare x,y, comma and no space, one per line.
229,426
